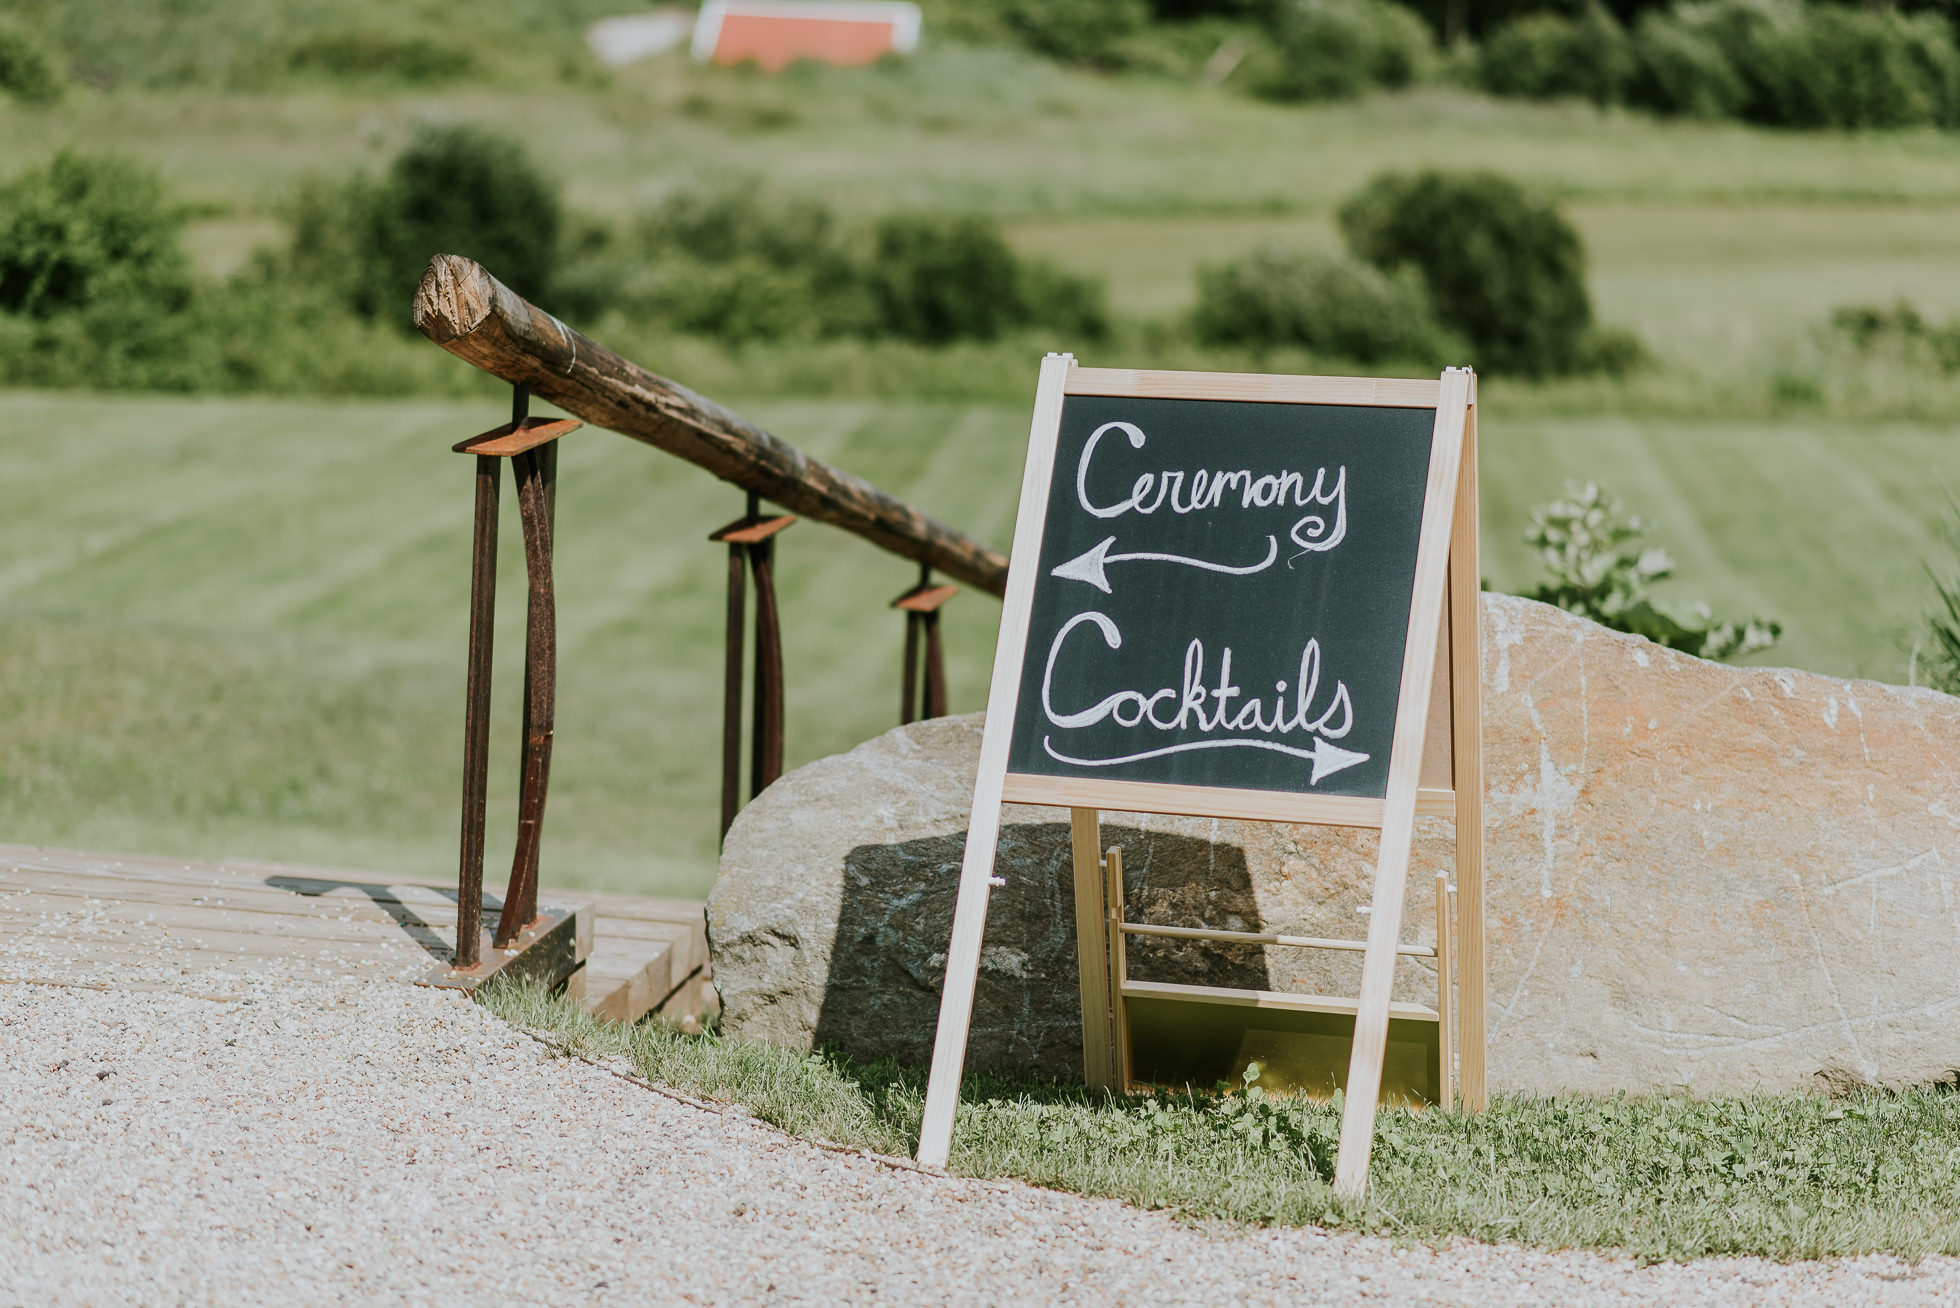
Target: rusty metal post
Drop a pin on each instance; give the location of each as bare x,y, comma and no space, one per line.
921,605
476,713
935,668
751,539
731,689
766,749
535,471
908,681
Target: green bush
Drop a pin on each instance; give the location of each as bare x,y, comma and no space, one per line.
1596,567
89,229
738,265
1503,267
451,190
1681,71
1831,66
411,60
1073,31
1339,307
939,279
1544,56
27,70
1901,332
1870,68
1337,49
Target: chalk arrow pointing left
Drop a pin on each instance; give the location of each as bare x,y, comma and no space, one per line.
1089,567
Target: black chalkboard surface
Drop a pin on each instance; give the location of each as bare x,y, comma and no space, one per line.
1223,594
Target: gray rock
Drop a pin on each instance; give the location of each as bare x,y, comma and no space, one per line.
1700,876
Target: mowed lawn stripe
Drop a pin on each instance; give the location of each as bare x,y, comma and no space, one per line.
236,627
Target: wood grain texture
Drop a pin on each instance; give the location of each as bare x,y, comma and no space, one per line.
1208,801
1380,392
1399,810
462,308
983,829
1467,737
1446,1044
1091,945
1274,999
1265,938
1119,971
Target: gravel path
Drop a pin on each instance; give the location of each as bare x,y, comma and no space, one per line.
299,1141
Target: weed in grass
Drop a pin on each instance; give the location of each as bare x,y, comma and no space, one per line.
1937,652
1667,1177
1595,566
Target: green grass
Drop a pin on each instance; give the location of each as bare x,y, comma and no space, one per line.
1779,1176
236,626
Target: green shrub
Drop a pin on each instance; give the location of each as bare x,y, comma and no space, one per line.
938,279
1681,71
27,71
1596,567
1073,31
1900,331
1503,267
1336,49
1831,66
739,265
85,230
1338,307
734,264
412,60
451,190
1937,651
1544,56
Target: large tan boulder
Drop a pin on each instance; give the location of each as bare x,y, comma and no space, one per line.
1700,876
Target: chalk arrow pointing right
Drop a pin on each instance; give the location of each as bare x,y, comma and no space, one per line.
1331,758
1089,566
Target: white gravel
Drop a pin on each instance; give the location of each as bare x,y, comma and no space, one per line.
300,1141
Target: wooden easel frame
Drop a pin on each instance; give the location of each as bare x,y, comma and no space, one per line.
1443,628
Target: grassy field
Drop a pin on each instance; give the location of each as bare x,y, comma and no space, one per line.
236,627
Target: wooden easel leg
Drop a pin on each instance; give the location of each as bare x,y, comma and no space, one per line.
1433,557
1119,1025
1467,729
1445,1039
1091,946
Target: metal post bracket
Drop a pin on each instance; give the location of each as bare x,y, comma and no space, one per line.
514,438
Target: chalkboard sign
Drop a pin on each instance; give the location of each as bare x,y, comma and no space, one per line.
1223,594
1230,596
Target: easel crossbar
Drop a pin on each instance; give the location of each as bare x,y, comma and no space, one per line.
1263,938
1276,999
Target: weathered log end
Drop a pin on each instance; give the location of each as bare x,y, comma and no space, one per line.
455,296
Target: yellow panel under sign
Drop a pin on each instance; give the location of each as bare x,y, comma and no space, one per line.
1179,1043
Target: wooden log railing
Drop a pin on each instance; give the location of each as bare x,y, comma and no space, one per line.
462,308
